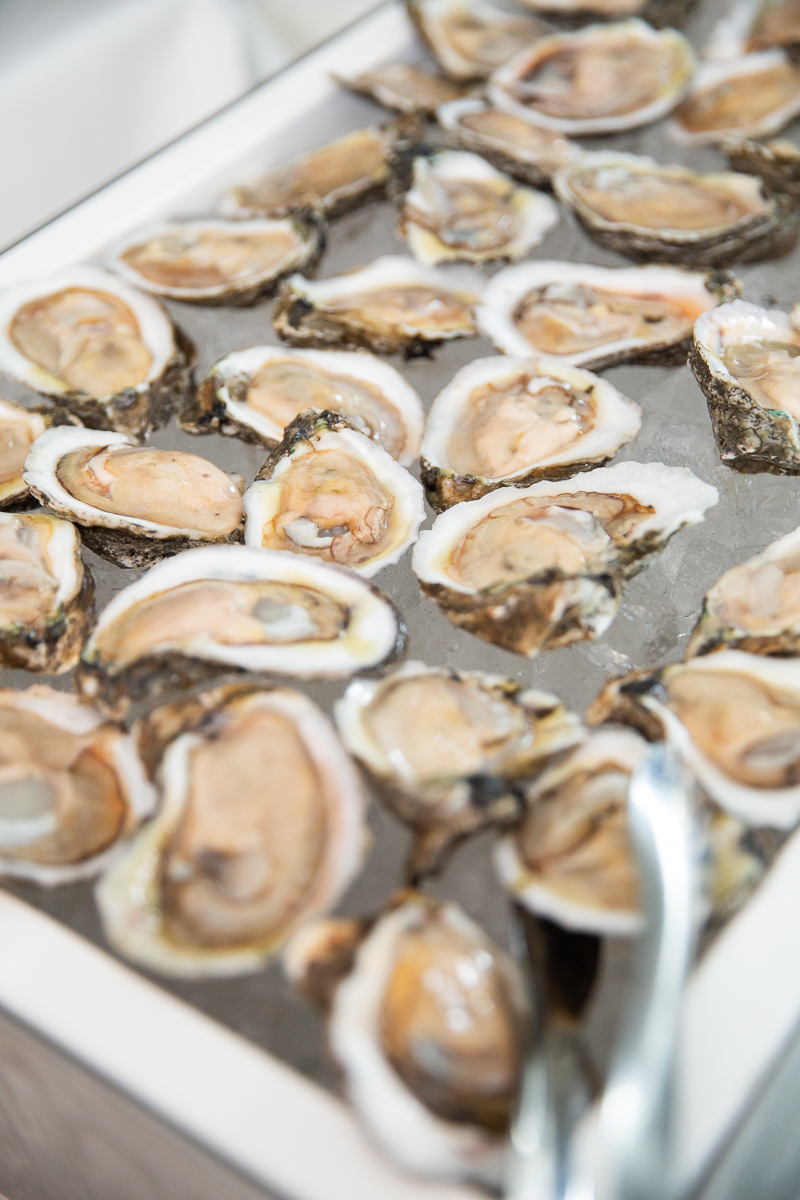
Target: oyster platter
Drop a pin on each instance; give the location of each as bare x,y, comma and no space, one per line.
385,467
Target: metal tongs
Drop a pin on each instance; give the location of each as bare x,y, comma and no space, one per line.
563,1145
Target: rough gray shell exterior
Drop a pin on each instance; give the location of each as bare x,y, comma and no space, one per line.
203,412
304,427
658,13
126,548
52,646
708,635
776,162
444,488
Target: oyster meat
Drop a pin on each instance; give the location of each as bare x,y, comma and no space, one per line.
260,829
536,568
461,207
134,504
218,261
597,317
328,491
600,79
46,593
224,609
393,304
649,212
747,361
471,38
255,394
527,152
747,98
104,351
753,25
404,87
512,421
71,786
18,429
447,750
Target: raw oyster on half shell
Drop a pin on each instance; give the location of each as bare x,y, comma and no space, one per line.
101,349
133,504
260,829
328,491
19,428
404,87
747,98
226,609
255,394
752,25
471,38
46,593
525,151
446,750
513,421
537,568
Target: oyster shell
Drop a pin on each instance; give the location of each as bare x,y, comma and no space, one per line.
46,593
600,79
649,212
71,786
749,97
218,261
427,1021
746,361
470,38
753,25
19,427
527,152
446,750
536,568
460,207
403,87
512,421
389,305
255,394
596,317
101,349
227,870
659,13
134,504
234,608
328,491
776,162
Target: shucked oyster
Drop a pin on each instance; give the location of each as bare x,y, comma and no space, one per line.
470,38
256,393
536,568
600,79
234,608
525,151
71,785
650,212
18,429
504,421
134,504
328,491
746,98
403,87
101,349
460,207
427,1021
596,317
447,749
752,25
217,262
260,829
747,361
392,304
46,593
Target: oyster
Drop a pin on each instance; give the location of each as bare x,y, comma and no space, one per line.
427,1021
735,719
446,750
392,304
470,38
227,870
218,262
527,152
134,504
776,162
46,593
650,212
403,87
460,207
749,97
570,860
747,361
536,568
659,13
18,429
601,79
71,786
256,393
101,349
328,491
234,608
597,317
512,421
753,25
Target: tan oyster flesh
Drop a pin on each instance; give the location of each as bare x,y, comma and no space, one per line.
660,201
28,583
201,259
510,133
15,442
475,216
417,310
60,801
407,88
741,101
768,370
449,1026
488,43
777,23
168,487
90,340
757,596
283,389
